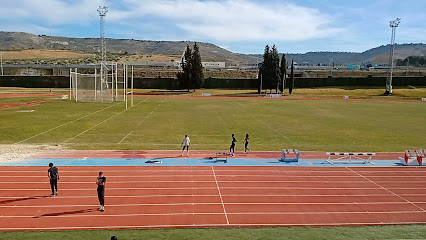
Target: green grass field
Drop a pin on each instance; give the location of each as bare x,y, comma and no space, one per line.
160,123
318,233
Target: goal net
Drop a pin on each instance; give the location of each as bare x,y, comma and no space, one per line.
104,85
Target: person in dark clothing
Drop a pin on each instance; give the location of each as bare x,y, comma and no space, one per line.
100,181
246,141
53,175
232,148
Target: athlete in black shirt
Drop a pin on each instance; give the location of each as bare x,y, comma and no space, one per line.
53,174
232,148
100,181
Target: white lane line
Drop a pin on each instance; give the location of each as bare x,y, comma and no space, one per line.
387,189
262,122
227,195
192,204
51,215
125,137
220,195
212,225
148,181
237,187
64,124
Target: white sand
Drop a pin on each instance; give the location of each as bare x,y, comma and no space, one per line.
18,152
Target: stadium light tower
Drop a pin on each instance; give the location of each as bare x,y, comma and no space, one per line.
393,24
102,14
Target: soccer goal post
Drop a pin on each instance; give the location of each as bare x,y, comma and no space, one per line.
105,83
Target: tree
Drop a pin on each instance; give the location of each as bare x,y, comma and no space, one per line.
275,69
283,72
291,84
184,77
269,71
197,68
265,74
192,76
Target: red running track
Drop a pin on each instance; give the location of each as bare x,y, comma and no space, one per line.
212,196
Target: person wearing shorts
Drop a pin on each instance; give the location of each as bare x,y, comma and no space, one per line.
100,181
232,148
53,174
185,143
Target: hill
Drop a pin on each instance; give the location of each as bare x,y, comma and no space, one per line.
173,49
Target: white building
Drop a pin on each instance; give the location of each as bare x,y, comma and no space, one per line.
213,64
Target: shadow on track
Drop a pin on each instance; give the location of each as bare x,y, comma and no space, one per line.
22,199
88,210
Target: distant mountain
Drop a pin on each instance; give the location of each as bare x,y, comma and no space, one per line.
209,52
378,54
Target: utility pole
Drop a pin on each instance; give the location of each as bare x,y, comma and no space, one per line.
1,54
393,24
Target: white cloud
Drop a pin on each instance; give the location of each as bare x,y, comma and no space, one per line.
52,12
234,20
27,28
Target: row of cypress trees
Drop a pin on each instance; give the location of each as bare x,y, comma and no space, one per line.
273,72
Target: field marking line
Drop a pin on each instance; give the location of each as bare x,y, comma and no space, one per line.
125,137
387,189
192,204
262,122
206,181
143,120
64,124
212,225
101,123
220,195
237,187
209,213
227,195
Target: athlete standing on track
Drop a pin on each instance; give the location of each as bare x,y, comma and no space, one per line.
246,141
185,143
232,148
53,174
100,181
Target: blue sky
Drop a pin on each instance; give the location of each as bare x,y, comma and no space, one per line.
243,26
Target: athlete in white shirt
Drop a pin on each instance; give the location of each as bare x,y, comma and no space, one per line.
185,143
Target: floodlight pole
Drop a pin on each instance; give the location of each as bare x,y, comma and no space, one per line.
102,14
393,24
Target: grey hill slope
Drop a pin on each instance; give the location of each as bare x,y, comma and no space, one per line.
209,52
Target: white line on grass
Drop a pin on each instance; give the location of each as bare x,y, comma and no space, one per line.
143,120
64,124
101,122
125,137
262,122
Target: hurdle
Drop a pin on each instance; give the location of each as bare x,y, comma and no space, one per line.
222,157
349,156
414,157
290,151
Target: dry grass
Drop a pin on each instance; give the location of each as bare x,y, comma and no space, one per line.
43,55
150,57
